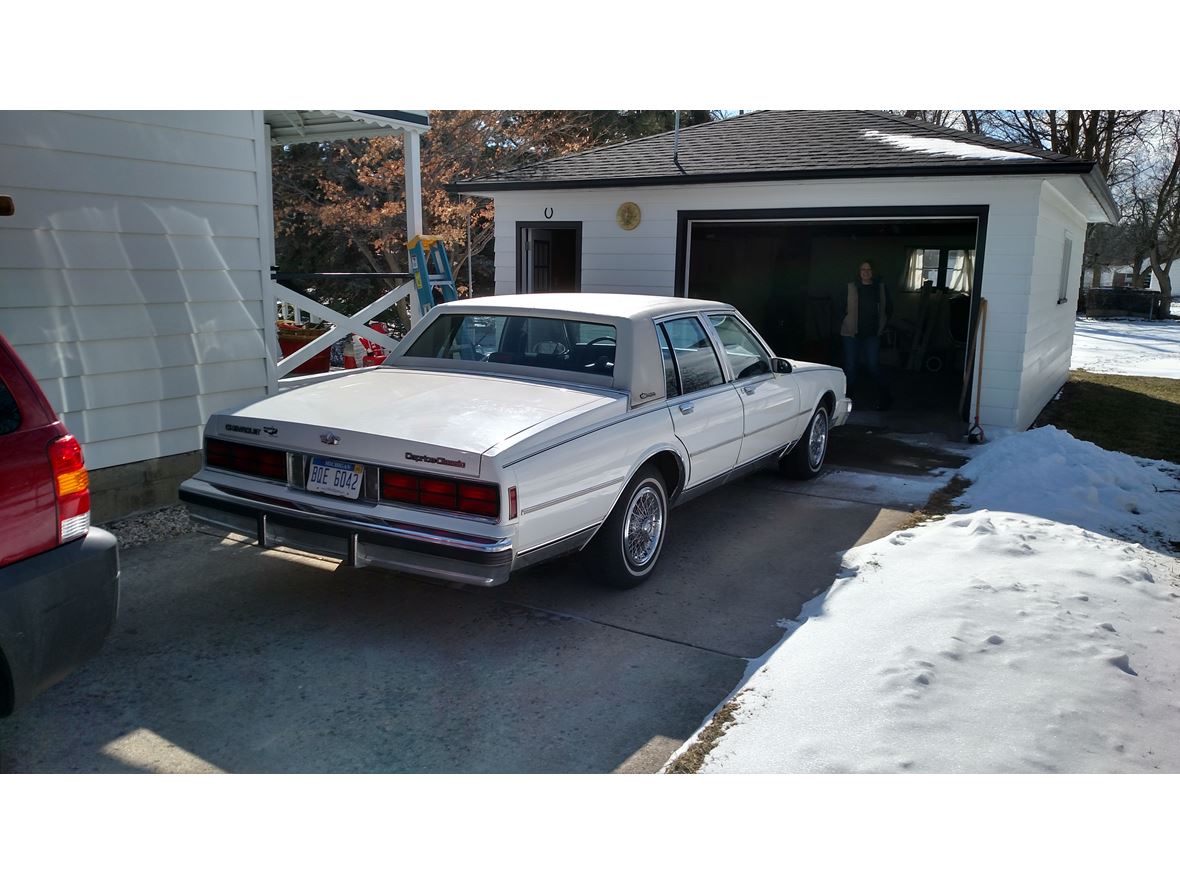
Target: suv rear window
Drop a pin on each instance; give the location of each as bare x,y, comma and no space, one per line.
9,413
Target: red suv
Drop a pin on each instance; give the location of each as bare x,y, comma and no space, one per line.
59,578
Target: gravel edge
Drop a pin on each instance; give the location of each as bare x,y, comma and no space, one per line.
146,528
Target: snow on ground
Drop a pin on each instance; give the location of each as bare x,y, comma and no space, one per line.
1027,634
879,488
1127,347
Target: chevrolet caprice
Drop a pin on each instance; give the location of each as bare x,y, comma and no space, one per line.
508,430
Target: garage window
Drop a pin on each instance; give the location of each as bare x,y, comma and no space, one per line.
942,268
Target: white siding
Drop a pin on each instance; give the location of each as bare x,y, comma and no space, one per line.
643,260
1049,337
132,274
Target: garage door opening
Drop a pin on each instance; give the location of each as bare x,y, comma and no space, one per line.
790,278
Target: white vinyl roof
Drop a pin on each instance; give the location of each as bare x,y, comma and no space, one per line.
299,127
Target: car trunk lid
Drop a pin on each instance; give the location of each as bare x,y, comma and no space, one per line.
421,420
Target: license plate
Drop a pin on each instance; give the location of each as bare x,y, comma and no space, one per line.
340,478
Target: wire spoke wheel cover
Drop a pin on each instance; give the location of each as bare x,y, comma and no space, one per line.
817,442
806,459
643,526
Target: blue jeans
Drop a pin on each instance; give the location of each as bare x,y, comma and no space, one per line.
870,350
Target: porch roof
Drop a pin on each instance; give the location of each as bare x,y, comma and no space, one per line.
299,127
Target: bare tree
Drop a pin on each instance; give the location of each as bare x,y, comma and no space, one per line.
968,121
1111,138
1154,216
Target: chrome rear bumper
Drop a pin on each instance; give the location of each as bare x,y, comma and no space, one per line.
452,556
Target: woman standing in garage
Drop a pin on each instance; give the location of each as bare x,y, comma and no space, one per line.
869,309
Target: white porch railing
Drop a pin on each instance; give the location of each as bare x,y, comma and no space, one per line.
341,324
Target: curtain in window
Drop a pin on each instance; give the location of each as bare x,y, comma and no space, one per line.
912,280
960,270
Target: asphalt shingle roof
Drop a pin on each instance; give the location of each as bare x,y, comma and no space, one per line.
776,145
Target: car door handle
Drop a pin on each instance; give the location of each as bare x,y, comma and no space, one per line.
749,389
687,408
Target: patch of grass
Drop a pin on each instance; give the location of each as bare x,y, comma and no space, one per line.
690,761
1123,413
940,503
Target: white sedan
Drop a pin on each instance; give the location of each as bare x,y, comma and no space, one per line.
505,431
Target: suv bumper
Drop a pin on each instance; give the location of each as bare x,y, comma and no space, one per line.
417,550
56,610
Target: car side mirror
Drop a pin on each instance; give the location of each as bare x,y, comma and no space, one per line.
780,366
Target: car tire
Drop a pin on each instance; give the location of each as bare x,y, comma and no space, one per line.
627,547
806,460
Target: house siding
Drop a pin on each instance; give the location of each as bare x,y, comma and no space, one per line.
643,261
132,275
1049,337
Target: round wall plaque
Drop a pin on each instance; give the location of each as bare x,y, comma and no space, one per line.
628,216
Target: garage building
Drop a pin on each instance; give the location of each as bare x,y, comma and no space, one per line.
773,211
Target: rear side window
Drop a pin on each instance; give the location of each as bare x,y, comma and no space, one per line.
695,357
9,413
671,382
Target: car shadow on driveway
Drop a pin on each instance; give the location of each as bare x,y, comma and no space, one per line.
229,658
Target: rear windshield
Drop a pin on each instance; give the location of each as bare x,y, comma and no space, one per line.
544,342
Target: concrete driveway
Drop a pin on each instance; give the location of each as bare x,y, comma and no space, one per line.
228,658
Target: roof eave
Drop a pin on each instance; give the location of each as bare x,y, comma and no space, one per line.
1035,167
1099,187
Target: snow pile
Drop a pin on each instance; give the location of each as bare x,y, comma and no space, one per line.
1001,640
1046,472
945,146
1127,347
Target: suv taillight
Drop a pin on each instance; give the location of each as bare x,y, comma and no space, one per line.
459,496
72,485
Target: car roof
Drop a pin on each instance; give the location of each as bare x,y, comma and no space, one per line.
598,304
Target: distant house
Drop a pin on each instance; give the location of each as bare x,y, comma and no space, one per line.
135,272
1121,275
774,210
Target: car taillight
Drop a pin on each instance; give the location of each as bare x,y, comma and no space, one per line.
254,460
72,487
459,496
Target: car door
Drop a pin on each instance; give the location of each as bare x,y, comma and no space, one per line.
706,410
770,401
